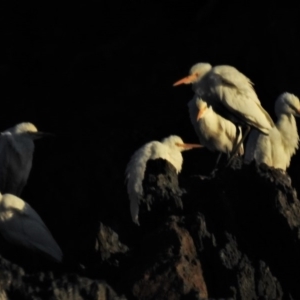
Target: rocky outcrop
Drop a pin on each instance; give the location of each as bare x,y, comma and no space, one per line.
231,235
167,266
230,229
15,283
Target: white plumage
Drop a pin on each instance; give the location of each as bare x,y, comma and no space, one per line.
277,149
16,153
230,93
214,132
22,226
169,148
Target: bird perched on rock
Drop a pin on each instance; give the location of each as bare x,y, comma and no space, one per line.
214,132
22,226
281,144
169,148
16,154
231,95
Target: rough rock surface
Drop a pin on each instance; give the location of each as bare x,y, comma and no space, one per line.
17,284
168,269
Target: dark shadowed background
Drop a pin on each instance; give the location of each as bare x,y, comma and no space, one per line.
99,75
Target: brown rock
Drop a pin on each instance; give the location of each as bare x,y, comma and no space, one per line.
176,272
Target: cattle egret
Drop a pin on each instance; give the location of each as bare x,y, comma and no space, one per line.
231,95
277,148
214,132
16,153
22,226
169,148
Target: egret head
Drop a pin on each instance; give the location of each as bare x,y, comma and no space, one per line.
197,71
28,129
175,142
24,127
287,103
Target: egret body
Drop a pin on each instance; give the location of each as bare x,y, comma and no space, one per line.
22,226
281,144
16,154
214,132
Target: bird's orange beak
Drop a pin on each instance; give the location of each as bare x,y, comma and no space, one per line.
189,146
187,80
201,112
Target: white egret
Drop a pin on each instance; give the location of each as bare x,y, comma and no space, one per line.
16,153
214,132
281,144
169,148
231,95
22,226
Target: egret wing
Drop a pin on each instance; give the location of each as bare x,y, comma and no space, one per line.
236,93
26,228
11,166
231,77
6,153
135,172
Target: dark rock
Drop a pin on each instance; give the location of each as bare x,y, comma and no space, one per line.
162,193
108,243
203,238
228,272
16,284
167,266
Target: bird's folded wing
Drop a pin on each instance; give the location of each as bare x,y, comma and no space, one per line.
135,172
6,153
236,93
231,77
27,229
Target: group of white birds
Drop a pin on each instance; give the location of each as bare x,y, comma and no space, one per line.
224,103
20,224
